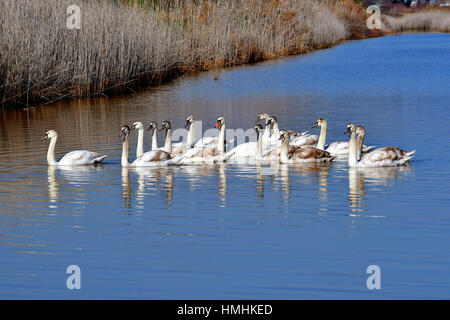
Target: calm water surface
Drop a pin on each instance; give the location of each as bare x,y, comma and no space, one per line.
240,231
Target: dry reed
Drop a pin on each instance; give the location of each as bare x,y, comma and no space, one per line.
122,46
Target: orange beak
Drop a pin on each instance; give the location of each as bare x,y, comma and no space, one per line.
217,124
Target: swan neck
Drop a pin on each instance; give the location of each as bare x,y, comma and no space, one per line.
190,137
125,152
323,136
221,142
352,154
284,151
140,143
155,139
267,131
258,145
276,131
359,145
168,142
51,152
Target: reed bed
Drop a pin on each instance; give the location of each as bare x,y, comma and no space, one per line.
124,45
429,20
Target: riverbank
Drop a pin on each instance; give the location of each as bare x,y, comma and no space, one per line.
121,47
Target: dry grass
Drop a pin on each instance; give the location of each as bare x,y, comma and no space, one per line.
429,20
123,46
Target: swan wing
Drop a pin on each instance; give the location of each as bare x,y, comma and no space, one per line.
367,148
310,154
338,148
152,158
305,140
80,157
245,150
211,142
387,156
199,155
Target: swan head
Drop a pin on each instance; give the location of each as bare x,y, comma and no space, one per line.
137,126
220,122
350,128
124,132
273,120
263,115
165,125
258,127
360,130
285,136
153,126
189,120
49,135
320,122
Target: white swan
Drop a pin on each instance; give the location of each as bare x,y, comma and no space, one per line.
304,154
339,148
179,148
150,158
73,158
381,157
208,154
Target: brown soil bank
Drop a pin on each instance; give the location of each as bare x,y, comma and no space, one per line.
124,45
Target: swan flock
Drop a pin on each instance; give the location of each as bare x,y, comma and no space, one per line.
272,144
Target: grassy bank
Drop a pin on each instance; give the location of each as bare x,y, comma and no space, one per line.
124,45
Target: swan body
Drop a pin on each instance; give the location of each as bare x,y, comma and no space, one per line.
244,150
381,157
386,157
251,150
302,154
73,158
340,148
207,154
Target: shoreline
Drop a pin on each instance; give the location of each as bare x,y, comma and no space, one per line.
95,67
197,72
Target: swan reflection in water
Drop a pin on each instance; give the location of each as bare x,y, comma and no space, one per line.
52,187
319,173
159,182
75,176
360,178
222,184
149,183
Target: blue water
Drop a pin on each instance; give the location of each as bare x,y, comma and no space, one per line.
240,231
